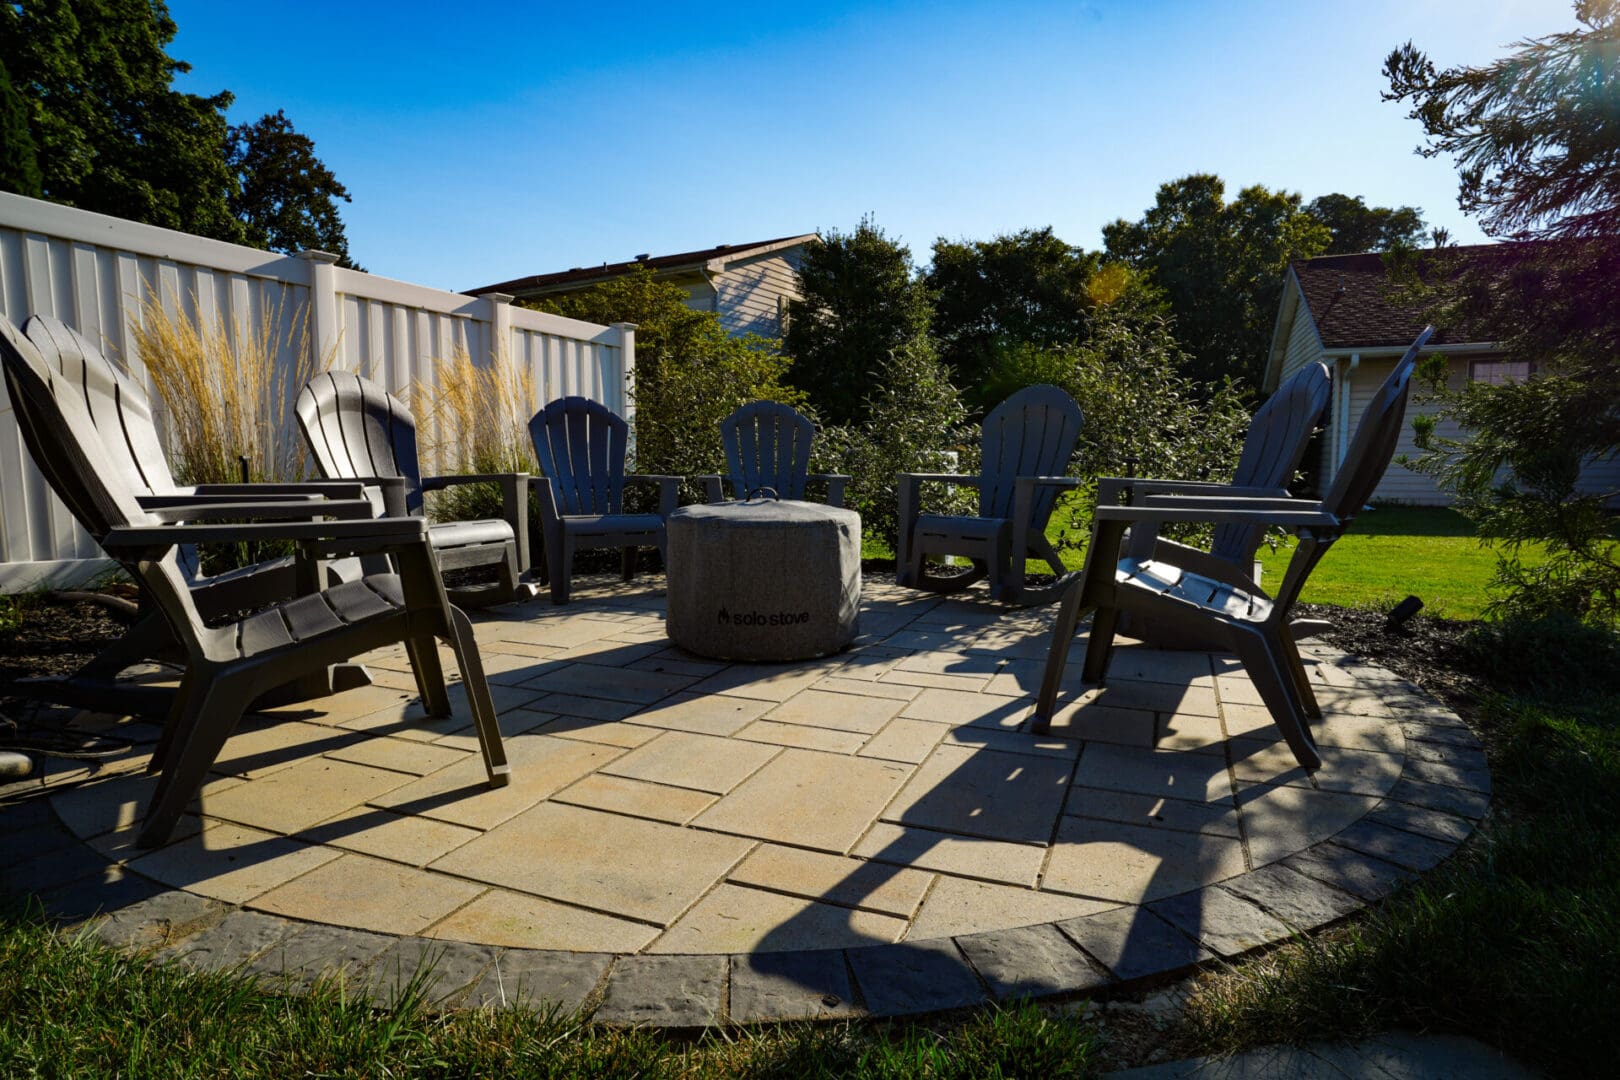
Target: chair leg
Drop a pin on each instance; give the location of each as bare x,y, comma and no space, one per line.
627,563
1100,649
1057,655
507,572
429,674
211,714
562,573
171,739
1302,682
460,634
1268,667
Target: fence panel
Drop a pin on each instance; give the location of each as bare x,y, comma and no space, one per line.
98,274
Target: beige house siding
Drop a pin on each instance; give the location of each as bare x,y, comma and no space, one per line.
752,293
1400,484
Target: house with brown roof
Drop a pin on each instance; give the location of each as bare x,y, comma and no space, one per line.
747,285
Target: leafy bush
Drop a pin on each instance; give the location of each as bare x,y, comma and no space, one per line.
1556,653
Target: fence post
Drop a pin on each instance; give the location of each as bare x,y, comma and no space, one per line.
627,360
324,327
500,324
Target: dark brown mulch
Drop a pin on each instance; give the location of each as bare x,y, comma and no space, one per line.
1423,650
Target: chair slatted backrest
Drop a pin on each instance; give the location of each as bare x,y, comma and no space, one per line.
1032,433
1371,449
356,429
54,419
1272,450
768,446
581,446
117,404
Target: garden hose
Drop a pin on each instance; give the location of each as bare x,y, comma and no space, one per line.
59,742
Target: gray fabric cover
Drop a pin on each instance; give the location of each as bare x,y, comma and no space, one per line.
764,580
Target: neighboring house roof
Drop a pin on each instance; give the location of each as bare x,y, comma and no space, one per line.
714,260
1353,306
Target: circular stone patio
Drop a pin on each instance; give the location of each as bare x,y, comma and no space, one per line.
688,842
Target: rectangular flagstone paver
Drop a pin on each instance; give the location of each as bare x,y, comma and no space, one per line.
767,682
1101,723
1459,801
993,860
843,712
622,795
231,862
1134,943
614,684
1225,923
1297,900
518,920
399,755
1351,871
317,951
1164,773
1161,665
1029,961
461,794
369,894
733,918
1131,864
962,906
1219,818
585,707
984,793
1394,845
709,714
1418,819
1186,732
961,707
236,939
841,685
898,980
1282,819
298,797
103,806
808,738
700,762
791,986
444,970
557,631
606,732
906,740
401,838
1357,772
664,991
871,886
641,869
807,798
256,750
163,919
1149,696
534,979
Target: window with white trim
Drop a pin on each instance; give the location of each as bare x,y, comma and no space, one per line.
1499,372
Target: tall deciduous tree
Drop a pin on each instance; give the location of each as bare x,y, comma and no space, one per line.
1220,265
19,163
1027,287
860,301
1354,226
286,198
1537,142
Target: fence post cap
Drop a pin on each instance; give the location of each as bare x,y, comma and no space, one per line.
317,256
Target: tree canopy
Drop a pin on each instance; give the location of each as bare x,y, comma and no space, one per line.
1538,153
1220,265
1353,226
107,131
860,300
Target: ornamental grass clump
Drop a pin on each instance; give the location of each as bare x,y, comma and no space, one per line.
474,419
227,389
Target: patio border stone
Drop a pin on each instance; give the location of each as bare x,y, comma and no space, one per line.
1433,808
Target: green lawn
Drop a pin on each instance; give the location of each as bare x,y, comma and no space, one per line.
1391,553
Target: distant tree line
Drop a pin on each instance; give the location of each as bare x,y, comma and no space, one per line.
89,117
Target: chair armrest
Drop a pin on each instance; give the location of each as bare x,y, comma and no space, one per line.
369,535
393,492
435,483
1048,481
941,478
669,490
327,489
514,501
1306,516
291,510
713,490
164,502
836,482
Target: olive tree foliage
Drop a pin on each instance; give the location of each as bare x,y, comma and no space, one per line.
1537,144
690,374
860,301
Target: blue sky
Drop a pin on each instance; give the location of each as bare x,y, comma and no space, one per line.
481,145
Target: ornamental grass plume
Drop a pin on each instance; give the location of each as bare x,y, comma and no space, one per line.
473,419
227,390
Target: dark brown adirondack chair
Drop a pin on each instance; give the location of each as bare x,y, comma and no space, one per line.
1272,449
358,431
1027,442
1218,597
121,413
581,446
768,447
228,666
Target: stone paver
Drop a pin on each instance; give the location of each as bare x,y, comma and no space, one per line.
685,841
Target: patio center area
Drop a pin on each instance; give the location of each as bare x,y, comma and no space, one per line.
688,842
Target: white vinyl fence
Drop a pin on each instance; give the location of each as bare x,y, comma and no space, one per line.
96,273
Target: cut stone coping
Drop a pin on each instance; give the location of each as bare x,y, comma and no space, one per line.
1422,818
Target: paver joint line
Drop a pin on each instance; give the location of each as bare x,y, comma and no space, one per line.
1168,798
